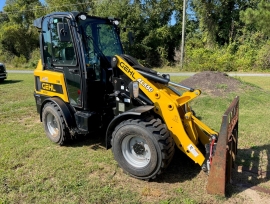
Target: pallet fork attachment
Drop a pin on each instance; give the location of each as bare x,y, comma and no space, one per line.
226,150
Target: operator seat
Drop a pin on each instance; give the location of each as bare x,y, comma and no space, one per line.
68,56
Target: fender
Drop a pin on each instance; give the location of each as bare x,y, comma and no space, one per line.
118,119
65,110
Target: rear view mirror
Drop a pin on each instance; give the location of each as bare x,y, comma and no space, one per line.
63,32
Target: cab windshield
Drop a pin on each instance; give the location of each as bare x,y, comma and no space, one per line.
101,39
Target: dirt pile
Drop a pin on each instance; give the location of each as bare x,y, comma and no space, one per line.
213,83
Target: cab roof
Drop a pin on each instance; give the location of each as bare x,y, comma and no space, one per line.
73,14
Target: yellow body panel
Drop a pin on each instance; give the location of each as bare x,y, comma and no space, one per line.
49,82
183,126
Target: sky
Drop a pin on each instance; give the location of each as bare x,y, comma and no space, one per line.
2,4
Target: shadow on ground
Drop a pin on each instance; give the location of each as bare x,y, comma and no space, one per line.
180,169
95,140
252,166
252,170
10,81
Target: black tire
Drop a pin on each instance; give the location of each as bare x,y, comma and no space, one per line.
54,124
143,148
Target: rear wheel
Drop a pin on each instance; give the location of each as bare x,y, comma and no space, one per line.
54,124
143,148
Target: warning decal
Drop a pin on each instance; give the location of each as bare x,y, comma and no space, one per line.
193,151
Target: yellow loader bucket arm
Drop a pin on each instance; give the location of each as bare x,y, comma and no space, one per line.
184,127
187,130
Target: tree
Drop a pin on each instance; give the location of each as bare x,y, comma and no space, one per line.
17,35
70,5
149,22
259,17
220,19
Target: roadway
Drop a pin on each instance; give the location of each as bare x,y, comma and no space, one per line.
235,74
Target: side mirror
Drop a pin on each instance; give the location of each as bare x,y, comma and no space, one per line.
63,32
134,89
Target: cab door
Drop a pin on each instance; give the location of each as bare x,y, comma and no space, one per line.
64,58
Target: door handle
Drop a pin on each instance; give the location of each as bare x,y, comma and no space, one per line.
73,71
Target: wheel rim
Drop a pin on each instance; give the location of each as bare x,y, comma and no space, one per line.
52,125
136,151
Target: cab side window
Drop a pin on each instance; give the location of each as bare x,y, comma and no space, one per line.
47,45
92,53
57,53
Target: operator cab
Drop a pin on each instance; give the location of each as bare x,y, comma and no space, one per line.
80,46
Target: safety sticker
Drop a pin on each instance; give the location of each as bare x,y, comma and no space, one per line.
121,107
45,79
126,100
193,150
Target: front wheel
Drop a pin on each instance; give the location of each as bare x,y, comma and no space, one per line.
142,147
54,124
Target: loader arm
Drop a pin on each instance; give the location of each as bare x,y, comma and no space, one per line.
184,127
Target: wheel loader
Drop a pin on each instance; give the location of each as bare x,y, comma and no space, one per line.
85,82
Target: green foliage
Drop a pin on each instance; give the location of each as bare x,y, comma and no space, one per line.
70,5
263,57
258,17
18,40
203,59
33,61
220,20
226,35
148,20
19,61
17,36
5,56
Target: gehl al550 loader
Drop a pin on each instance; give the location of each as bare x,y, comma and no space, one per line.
84,82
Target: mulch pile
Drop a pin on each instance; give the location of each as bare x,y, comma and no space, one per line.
213,83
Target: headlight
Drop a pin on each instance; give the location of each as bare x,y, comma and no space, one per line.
134,89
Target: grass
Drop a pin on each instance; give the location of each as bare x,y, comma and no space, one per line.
262,82
222,86
25,67
168,69
34,170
